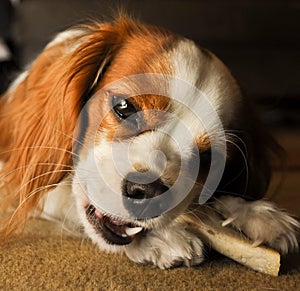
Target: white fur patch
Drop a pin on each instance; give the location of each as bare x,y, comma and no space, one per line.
210,77
106,166
166,248
5,53
65,36
16,83
60,206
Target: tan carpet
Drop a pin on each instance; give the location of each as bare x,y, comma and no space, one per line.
54,262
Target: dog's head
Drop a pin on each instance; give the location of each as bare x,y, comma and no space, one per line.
147,124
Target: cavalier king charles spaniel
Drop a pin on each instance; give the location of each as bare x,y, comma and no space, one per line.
119,130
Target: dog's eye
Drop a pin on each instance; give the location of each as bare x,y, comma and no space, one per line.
122,107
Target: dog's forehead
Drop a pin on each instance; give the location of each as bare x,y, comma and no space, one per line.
141,54
179,78
162,66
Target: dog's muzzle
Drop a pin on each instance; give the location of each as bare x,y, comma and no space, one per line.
138,187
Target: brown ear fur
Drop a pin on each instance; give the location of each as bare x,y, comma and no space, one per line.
39,116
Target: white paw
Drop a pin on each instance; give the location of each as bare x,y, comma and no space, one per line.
166,248
261,221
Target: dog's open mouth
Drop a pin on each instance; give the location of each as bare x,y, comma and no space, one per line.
114,231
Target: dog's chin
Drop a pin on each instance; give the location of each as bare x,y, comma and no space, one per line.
113,231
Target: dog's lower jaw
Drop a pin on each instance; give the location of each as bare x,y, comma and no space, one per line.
99,241
164,248
167,247
170,246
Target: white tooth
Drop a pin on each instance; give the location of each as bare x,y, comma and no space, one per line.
133,230
228,221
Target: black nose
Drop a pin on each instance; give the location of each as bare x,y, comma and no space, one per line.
143,186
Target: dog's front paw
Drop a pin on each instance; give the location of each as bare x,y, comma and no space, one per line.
166,248
261,221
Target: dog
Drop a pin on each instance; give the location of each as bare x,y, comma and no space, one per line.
120,129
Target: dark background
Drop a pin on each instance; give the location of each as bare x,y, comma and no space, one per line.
258,40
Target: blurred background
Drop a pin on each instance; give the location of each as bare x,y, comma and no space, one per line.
258,40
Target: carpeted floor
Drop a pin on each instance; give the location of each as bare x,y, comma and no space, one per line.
45,261
48,259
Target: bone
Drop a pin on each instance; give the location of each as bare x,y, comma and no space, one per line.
229,243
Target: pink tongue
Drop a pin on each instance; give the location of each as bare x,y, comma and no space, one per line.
117,226
107,219
98,214
116,222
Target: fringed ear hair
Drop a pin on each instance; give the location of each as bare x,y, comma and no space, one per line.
38,117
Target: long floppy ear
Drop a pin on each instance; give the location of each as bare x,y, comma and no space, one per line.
38,117
250,148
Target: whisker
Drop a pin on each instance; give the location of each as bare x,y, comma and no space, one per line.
31,194
69,169
234,136
246,164
39,147
37,164
200,184
74,139
64,224
38,177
